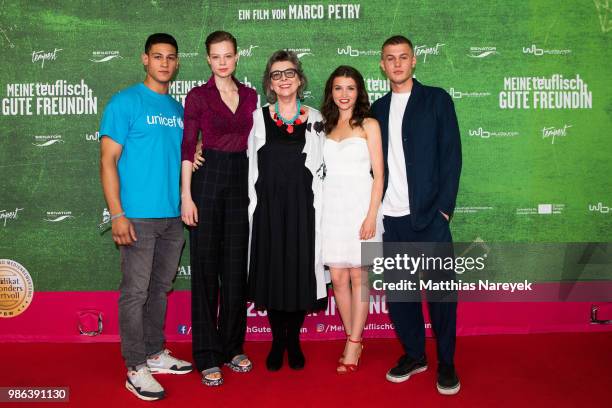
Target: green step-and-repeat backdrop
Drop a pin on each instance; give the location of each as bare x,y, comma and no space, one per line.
530,81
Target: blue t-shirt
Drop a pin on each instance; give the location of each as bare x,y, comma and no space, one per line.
149,126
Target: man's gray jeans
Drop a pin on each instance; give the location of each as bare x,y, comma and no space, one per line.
148,267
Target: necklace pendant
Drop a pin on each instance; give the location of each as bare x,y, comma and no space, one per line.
289,129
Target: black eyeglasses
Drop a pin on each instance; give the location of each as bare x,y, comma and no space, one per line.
277,75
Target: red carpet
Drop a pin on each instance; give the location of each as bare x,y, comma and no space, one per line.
560,370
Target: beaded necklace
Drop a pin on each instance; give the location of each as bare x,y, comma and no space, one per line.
295,120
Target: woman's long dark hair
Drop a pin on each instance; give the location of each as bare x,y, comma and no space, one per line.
330,111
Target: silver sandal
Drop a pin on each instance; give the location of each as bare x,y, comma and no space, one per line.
212,382
234,364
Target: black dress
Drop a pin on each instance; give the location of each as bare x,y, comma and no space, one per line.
281,272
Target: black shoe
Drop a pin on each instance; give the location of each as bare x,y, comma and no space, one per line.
406,366
274,361
295,356
448,382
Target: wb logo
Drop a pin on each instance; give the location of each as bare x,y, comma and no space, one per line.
480,133
533,50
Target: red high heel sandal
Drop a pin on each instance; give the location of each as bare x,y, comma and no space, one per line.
341,359
350,368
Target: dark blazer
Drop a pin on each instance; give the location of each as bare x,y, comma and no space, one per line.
432,150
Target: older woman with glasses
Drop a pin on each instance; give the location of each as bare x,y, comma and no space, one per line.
286,275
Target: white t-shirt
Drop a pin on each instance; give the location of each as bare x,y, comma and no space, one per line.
396,202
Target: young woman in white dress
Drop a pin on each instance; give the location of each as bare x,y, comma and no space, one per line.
352,194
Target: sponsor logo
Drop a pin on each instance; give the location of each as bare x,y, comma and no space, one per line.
47,140
538,52
301,52
92,137
542,209
600,208
248,51
104,56
6,215
16,288
424,50
486,134
44,56
354,52
186,55
184,329
58,216
162,120
552,132
470,94
482,52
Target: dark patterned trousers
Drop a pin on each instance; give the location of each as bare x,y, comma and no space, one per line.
219,247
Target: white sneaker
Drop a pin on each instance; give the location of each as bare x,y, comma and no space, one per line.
143,385
164,363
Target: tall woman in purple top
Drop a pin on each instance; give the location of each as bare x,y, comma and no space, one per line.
214,204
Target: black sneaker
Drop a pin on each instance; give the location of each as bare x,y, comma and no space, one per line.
406,366
448,382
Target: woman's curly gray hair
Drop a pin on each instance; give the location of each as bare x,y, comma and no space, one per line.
278,56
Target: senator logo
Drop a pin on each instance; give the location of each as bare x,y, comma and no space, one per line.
538,52
553,133
425,50
16,288
6,215
301,52
47,140
482,52
354,52
187,55
40,57
104,56
58,216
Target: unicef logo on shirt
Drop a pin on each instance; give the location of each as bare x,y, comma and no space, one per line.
162,120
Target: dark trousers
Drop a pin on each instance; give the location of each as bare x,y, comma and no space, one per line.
408,316
219,258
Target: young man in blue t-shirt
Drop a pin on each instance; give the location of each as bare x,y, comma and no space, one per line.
140,164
